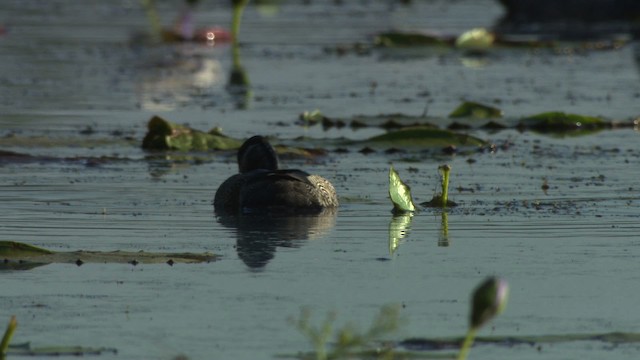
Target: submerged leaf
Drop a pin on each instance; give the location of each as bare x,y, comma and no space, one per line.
164,135
426,137
559,121
400,193
398,39
475,110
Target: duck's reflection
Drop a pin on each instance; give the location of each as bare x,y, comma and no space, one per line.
259,236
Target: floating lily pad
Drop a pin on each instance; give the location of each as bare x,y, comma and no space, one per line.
476,110
426,137
164,135
559,121
16,256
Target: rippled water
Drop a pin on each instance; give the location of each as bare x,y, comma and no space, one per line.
76,93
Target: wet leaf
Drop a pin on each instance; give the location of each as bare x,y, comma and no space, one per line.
475,110
400,193
426,137
559,121
164,135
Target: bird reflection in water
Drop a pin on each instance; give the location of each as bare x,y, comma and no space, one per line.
259,236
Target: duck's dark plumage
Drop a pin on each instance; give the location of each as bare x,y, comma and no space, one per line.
261,187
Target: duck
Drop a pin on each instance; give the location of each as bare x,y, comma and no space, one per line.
262,187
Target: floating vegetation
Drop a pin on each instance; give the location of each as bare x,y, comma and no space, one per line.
480,39
164,135
470,109
556,121
423,136
21,256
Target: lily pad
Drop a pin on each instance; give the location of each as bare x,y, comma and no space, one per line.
426,137
470,109
560,121
16,255
164,135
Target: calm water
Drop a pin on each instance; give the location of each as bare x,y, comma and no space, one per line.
570,254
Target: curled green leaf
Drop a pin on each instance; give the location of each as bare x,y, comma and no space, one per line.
400,193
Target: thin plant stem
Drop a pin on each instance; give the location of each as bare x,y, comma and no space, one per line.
445,170
238,9
466,345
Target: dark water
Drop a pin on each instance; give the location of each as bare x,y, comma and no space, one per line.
76,93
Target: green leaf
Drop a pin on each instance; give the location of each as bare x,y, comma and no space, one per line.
470,109
400,193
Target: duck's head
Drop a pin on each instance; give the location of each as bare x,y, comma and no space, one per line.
257,153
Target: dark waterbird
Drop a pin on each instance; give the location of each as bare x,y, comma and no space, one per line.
260,187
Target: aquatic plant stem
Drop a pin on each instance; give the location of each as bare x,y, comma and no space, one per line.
445,170
466,345
238,9
6,339
154,19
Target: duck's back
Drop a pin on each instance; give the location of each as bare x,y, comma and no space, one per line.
286,191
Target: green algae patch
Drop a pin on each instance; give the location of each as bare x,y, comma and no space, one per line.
20,256
422,136
470,109
556,121
164,135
